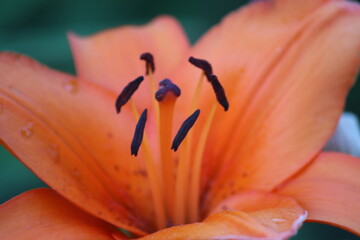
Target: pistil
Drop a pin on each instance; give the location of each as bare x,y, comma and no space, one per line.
166,97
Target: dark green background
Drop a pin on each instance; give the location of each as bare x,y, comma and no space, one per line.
38,27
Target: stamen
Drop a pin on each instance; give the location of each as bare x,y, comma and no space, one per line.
127,92
194,192
183,173
184,129
150,64
150,68
182,184
197,93
166,97
203,65
139,133
154,180
219,92
167,86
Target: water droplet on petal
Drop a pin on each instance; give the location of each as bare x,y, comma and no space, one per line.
53,153
278,220
26,131
71,85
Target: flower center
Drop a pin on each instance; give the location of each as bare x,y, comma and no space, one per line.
175,187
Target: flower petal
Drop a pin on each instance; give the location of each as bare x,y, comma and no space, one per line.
329,190
250,215
112,58
68,133
44,214
287,68
346,138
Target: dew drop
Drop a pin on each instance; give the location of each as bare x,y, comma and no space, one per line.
278,220
26,131
71,85
53,153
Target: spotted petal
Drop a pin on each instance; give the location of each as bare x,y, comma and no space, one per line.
287,67
67,132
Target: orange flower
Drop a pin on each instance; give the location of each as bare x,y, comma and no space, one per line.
254,171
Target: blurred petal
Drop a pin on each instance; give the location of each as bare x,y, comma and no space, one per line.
119,50
287,68
43,214
346,138
329,190
250,215
67,132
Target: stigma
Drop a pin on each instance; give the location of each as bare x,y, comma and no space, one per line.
167,87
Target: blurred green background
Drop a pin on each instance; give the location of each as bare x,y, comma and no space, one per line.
38,28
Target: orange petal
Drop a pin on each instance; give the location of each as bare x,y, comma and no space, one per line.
112,58
329,189
287,67
250,215
67,132
44,214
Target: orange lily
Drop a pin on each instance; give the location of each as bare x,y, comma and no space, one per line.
255,171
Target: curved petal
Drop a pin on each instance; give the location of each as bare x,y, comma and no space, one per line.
119,50
287,68
43,214
250,215
68,133
329,189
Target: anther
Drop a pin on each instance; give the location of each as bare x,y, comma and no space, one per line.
150,64
184,129
219,92
127,92
167,86
203,65
139,133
